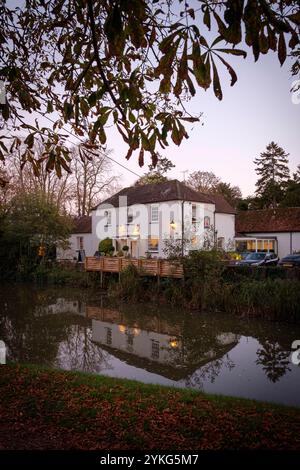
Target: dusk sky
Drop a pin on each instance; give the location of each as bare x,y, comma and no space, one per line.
255,111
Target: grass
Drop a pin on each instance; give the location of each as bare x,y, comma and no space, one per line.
42,408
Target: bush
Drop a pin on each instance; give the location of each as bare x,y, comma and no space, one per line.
106,246
203,279
275,299
130,285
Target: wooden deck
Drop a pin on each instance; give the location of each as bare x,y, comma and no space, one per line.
148,267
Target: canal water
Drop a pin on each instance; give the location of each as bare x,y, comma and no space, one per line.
216,353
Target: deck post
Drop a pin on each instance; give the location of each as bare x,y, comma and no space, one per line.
101,279
158,271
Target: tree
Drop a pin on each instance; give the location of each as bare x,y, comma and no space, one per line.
157,173
31,222
273,171
208,183
133,64
203,181
292,194
89,181
92,178
22,177
232,194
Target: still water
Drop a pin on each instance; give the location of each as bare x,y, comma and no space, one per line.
80,330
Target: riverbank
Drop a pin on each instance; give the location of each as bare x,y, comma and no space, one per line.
207,286
50,409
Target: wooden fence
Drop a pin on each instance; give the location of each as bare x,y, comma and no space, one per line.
148,267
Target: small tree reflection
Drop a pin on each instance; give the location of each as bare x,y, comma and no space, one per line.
78,352
274,360
209,372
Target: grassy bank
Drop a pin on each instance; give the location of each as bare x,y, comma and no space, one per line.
208,286
47,409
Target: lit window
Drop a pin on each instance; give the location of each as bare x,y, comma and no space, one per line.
154,213
152,243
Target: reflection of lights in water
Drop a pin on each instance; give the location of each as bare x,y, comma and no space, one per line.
129,331
173,343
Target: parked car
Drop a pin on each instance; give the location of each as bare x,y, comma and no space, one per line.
259,259
290,261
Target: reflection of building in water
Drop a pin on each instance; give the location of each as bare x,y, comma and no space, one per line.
62,305
154,343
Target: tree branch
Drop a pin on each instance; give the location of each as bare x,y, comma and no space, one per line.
98,60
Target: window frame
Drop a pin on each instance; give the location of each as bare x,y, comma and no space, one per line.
152,209
150,248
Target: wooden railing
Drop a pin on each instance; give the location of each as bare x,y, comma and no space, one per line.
148,267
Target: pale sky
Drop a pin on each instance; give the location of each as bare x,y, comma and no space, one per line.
255,111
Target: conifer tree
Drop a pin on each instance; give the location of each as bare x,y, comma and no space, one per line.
273,171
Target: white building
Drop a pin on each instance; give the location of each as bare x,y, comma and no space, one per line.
275,230
144,218
81,243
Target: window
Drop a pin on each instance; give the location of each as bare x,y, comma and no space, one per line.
206,221
152,243
129,216
108,336
154,213
107,214
154,349
80,244
221,243
194,213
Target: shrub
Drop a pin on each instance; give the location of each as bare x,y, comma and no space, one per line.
106,246
130,285
203,279
276,299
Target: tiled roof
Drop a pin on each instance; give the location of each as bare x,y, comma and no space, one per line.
83,224
221,204
269,220
172,190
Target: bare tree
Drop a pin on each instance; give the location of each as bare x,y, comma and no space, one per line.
23,179
92,177
203,181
